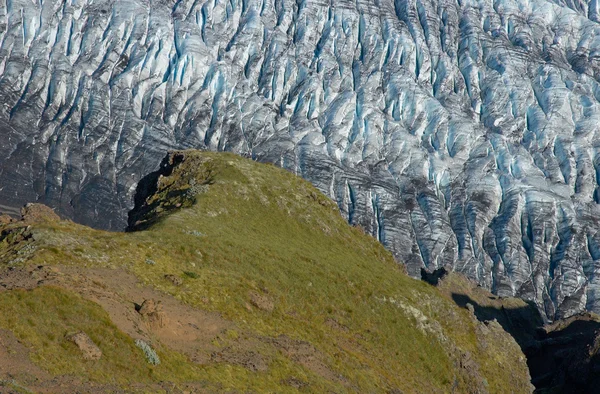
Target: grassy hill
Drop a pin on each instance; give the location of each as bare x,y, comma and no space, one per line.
253,282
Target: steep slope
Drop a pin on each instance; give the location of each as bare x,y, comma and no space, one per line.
241,277
563,357
460,133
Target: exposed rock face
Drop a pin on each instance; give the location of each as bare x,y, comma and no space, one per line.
37,213
565,359
562,357
460,133
152,312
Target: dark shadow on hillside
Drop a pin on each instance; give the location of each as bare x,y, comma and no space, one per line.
562,357
522,323
154,200
137,218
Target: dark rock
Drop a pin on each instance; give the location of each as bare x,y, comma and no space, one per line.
434,277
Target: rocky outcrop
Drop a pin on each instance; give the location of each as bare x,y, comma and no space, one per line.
562,356
565,357
5,219
38,213
152,313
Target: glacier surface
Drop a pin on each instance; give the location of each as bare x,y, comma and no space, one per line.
461,132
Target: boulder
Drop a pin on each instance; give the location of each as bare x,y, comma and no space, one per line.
152,312
38,213
88,348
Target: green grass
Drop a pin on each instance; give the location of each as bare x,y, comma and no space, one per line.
268,232
53,314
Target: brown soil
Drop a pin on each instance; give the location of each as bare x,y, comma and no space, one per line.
118,293
145,313
334,324
176,325
14,359
182,328
248,359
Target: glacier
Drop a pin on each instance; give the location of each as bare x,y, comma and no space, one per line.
457,132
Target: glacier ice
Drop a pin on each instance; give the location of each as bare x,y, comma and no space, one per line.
459,132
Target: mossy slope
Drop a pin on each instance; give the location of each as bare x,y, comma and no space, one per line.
271,254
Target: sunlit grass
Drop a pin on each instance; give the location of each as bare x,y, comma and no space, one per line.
259,229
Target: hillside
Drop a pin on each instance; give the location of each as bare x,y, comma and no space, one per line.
240,277
458,133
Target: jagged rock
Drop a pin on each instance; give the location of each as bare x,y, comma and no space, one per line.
38,213
5,219
152,312
564,357
433,278
88,348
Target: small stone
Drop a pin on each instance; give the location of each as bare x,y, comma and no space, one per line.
88,348
261,302
177,281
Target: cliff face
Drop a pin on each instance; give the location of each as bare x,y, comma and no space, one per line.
238,277
562,357
460,133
